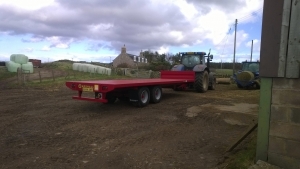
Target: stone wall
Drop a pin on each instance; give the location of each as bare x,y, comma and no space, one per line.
284,135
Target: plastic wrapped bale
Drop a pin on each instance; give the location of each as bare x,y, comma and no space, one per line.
108,71
92,68
27,68
20,58
12,57
79,67
12,66
85,67
100,69
75,66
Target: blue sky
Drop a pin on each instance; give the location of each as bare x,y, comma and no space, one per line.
95,30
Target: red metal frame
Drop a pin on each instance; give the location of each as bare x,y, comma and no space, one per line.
168,79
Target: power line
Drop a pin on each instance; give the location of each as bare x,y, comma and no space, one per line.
224,37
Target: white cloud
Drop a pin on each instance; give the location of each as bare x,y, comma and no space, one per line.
28,4
46,48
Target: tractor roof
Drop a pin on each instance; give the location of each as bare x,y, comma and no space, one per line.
192,53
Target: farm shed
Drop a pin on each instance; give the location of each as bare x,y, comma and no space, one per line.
129,59
36,62
278,140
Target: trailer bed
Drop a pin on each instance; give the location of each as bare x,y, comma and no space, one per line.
120,87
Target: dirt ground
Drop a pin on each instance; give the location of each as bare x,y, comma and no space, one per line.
47,129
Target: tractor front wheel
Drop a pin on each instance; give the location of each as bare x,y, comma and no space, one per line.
201,81
213,84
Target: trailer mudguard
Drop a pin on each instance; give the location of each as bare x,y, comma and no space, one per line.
178,68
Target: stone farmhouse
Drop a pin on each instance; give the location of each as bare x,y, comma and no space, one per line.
132,61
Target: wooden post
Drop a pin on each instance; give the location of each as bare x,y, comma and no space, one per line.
40,76
264,119
53,75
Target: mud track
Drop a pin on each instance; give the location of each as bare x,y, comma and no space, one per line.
47,129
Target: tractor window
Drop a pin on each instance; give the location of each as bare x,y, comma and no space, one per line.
190,60
251,66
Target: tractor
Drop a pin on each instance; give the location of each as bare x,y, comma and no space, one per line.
248,77
195,61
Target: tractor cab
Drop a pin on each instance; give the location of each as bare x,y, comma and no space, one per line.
189,60
248,76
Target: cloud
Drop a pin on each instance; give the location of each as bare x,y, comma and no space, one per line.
46,48
152,24
28,50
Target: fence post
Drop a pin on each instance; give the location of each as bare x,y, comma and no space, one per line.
40,76
53,75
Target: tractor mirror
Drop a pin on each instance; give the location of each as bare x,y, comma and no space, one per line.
211,56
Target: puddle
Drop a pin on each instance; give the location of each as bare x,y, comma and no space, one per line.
237,108
193,111
234,122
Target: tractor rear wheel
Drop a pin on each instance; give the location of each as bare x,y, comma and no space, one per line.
201,81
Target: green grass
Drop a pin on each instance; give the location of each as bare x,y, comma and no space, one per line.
224,71
4,74
244,158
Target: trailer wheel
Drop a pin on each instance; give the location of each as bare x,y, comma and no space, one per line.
201,81
156,94
110,98
143,97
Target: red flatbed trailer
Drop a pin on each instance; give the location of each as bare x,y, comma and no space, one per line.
139,91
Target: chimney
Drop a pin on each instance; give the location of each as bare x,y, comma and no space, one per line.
141,54
123,49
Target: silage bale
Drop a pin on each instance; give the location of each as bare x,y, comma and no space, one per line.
20,58
12,57
28,67
75,66
100,69
108,71
93,69
85,67
12,66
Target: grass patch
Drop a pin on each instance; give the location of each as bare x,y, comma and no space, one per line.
223,71
244,158
4,74
79,76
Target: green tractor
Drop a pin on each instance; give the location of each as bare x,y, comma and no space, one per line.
199,63
248,77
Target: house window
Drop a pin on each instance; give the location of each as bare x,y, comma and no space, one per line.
139,59
134,58
146,61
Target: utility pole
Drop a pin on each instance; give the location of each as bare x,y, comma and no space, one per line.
251,51
233,67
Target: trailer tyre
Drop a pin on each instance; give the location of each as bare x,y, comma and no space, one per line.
155,95
201,81
143,97
110,98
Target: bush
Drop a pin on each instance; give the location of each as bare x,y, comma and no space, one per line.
123,65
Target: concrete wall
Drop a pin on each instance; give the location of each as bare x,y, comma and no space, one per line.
284,134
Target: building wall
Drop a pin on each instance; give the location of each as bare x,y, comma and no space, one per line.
278,139
284,134
123,58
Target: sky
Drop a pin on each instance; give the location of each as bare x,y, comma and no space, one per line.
96,30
